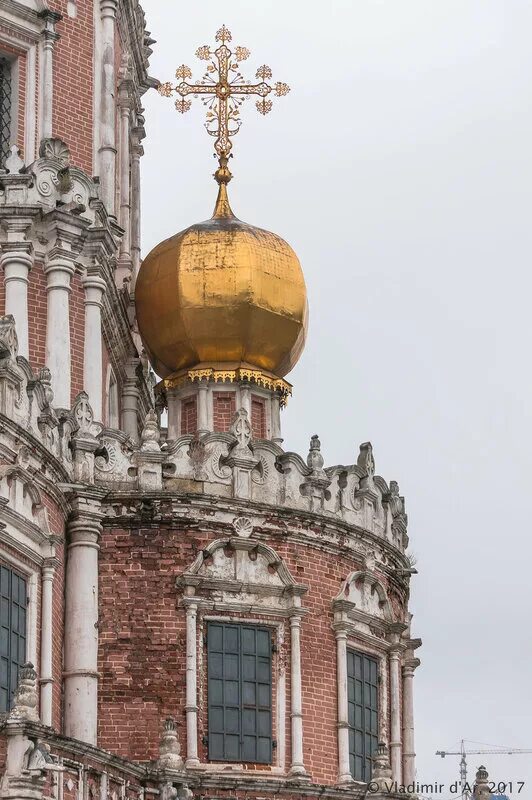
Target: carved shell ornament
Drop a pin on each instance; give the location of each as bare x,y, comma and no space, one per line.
221,471
103,464
243,527
261,471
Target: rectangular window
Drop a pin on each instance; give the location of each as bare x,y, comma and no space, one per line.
13,602
189,416
223,410
258,417
362,694
5,109
239,670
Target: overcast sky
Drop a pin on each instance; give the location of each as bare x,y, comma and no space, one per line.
400,170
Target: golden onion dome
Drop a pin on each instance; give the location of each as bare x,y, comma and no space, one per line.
222,291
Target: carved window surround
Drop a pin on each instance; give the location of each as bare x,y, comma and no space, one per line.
372,632
239,575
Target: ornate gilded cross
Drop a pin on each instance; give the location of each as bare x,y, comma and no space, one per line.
223,89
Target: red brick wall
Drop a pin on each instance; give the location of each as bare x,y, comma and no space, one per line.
223,409
189,415
73,82
37,315
258,417
142,642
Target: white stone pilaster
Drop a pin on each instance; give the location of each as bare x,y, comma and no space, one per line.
245,398
94,287
203,407
136,152
123,270
58,276
191,704
130,400
107,122
409,755
46,95
276,419
344,770
394,654
81,623
297,767
16,260
46,679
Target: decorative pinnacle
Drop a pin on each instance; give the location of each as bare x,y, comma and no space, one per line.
223,89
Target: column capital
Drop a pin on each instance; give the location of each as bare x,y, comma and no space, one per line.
108,8
95,287
410,666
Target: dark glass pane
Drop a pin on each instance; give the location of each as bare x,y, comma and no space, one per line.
264,750
232,720
248,640
263,643
249,748
264,694
249,693
232,748
216,719
216,665
231,639
248,668
215,637
231,667
231,693
249,721
216,692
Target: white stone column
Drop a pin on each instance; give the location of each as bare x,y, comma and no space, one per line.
16,261
203,407
107,148
58,276
49,37
395,709
409,755
92,357
191,702
344,769
245,398
297,766
130,400
81,624
276,419
123,270
46,680
136,152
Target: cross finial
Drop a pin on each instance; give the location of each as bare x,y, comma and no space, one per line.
223,90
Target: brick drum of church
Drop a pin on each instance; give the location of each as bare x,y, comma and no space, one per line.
187,608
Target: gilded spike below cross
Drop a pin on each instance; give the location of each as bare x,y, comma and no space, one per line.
223,90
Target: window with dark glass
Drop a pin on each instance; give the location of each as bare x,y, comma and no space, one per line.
5,109
362,696
13,603
239,670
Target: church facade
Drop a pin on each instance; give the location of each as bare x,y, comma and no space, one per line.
187,608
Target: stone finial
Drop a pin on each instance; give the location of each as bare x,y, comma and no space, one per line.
45,377
150,436
83,413
241,429
315,459
8,338
14,163
169,748
365,460
382,771
25,705
198,455
482,789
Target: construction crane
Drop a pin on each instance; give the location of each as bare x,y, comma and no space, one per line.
500,751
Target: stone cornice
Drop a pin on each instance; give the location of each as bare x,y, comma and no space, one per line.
233,506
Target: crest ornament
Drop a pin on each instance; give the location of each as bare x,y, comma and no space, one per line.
243,527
